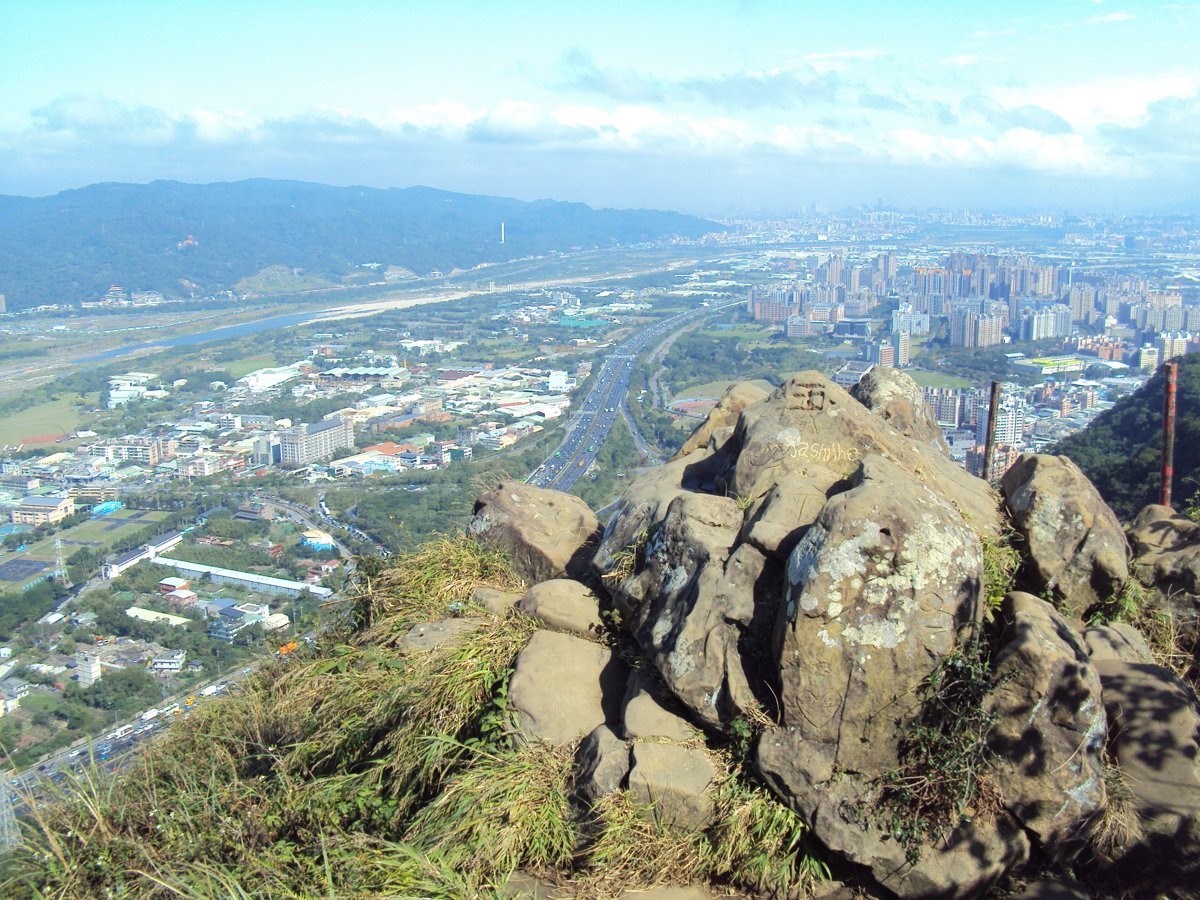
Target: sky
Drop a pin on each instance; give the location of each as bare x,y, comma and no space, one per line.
715,107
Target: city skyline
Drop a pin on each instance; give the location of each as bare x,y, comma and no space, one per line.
716,108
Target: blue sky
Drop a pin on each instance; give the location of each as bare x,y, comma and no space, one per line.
710,107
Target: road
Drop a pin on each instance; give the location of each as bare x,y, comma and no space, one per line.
110,751
588,429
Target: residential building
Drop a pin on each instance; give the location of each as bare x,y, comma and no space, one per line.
168,662
43,510
87,668
305,444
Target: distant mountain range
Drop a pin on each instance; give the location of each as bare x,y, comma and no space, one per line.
195,239
1121,451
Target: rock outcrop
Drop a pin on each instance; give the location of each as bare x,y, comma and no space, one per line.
546,534
1049,724
1073,541
723,417
900,402
1155,739
813,563
1166,548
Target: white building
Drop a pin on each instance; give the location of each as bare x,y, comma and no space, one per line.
87,666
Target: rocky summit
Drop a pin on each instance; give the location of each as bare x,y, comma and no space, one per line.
898,651
807,657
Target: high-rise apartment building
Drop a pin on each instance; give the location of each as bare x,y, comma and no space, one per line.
306,444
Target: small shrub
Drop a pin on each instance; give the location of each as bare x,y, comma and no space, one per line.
1001,561
943,775
1126,605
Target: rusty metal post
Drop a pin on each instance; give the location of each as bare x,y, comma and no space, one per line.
1171,371
989,445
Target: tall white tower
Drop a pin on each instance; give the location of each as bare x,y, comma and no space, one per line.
502,232
88,668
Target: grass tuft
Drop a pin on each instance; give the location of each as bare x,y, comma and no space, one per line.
1001,562
1118,825
505,811
943,774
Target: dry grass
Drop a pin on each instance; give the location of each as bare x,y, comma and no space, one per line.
628,847
1118,825
506,811
1001,561
361,769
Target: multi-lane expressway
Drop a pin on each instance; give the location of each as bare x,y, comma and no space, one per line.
590,426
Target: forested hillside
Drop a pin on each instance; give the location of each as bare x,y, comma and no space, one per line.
183,239
1121,451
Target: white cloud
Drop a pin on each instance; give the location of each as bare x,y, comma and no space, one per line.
961,59
1120,101
1110,18
840,60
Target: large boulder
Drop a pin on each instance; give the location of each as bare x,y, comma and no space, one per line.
691,602
1073,542
900,402
1117,641
1154,734
645,714
563,687
564,605
812,426
722,417
678,782
546,534
1166,549
1049,724
880,589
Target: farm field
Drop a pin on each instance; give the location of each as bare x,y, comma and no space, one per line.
25,567
925,378
46,421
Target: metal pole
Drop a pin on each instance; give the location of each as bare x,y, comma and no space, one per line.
1168,445
989,446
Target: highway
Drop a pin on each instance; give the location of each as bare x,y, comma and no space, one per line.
588,429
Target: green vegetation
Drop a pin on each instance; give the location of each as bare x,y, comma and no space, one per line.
695,358
943,775
50,252
60,416
362,769
1001,561
1121,450
925,378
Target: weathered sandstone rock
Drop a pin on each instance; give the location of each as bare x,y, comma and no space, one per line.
563,686
564,605
1073,542
547,534
1050,724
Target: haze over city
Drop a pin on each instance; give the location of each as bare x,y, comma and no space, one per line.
711,108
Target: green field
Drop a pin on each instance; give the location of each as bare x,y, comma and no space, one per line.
743,333
104,532
925,378
239,367
714,389
53,417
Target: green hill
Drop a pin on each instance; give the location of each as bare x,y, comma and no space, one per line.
1121,451
74,245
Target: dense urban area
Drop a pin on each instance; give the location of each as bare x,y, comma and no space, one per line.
180,501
